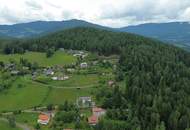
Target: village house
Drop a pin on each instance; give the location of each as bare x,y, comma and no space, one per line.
84,65
10,66
93,120
65,77
71,70
61,49
111,83
84,102
43,119
49,71
97,111
77,55
60,78
15,72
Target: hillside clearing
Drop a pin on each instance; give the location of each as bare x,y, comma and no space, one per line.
59,58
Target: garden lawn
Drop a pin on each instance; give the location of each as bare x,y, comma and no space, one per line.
59,58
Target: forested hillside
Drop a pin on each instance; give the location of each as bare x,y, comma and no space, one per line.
176,33
157,94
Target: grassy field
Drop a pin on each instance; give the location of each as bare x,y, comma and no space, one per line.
32,94
27,118
30,119
27,96
58,96
5,126
59,58
73,81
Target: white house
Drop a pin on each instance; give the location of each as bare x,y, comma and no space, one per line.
49,72
84,102
84,65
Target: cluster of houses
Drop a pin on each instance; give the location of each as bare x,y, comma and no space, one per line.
82,102
51,72
97,112
80,54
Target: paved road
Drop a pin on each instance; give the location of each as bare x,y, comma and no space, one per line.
19,125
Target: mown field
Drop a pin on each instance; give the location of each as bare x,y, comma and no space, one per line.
59,58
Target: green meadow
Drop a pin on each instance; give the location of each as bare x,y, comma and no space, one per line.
25,94
75,80
59,58
5,126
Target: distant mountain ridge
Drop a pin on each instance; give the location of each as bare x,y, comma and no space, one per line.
32,29
177,33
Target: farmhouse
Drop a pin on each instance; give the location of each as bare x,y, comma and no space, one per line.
15,72
84,65
84,102
71,70
111,83
65,77
98,112
60,78
49,71
77,55
93,120
43,119
9,66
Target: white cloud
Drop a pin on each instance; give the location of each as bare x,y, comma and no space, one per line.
106,12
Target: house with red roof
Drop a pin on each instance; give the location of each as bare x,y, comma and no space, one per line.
93,120
97,111
43,119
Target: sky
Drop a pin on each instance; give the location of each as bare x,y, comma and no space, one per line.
113,13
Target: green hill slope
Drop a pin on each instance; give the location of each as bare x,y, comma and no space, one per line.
157,93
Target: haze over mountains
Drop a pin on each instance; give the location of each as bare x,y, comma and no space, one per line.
177,33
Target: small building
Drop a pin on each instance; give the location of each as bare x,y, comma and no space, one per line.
54,78
65,77
10,66
98,112
43,119
70,70
61,49
84,65
49,72
84,102
60,78
15,72
77,55
93,120
111,83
